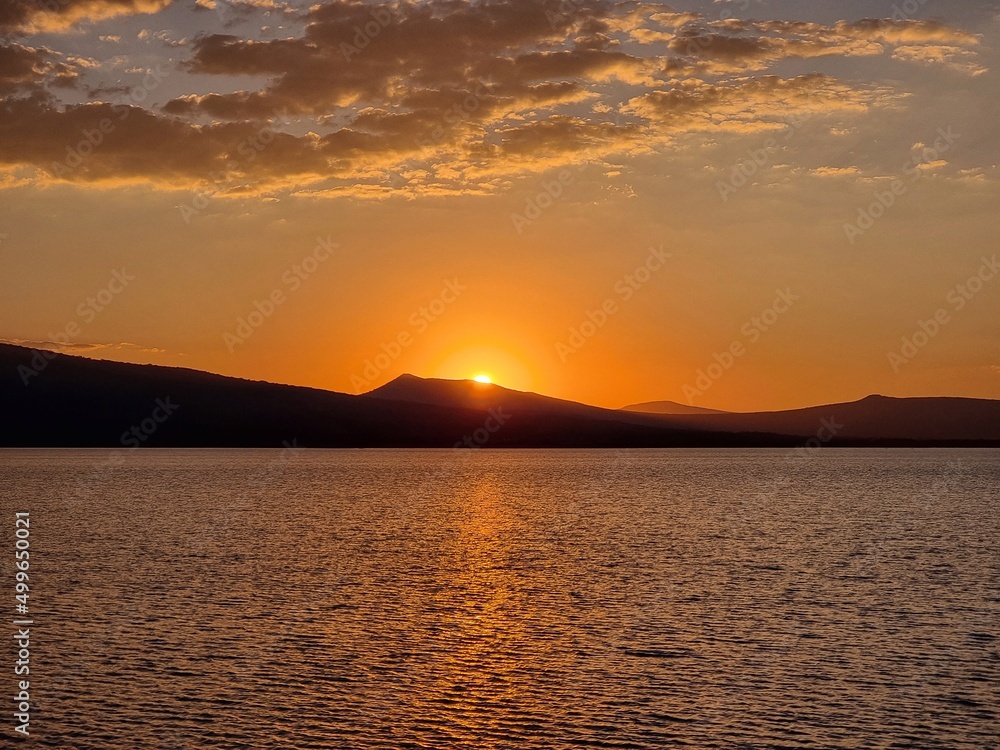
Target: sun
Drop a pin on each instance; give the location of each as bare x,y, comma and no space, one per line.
483,379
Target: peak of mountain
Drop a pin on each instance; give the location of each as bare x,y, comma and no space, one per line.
471,394
874,417
76,401
670,407
440,391
929,419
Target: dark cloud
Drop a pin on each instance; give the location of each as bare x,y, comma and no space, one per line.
739,45
21,67
30,71
560,135
361,52
99,141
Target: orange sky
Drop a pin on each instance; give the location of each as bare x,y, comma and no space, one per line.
622,203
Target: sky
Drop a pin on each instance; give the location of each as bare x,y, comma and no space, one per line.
740,205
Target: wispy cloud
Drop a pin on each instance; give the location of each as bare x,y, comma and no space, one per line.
81,347
34,16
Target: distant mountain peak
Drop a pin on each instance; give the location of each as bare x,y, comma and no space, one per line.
439,391
406,377
669,408
80,401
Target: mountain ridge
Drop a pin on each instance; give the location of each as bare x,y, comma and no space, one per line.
82,401
670,407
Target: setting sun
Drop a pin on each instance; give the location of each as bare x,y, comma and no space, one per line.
483,379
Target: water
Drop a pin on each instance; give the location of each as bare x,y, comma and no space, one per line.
536,599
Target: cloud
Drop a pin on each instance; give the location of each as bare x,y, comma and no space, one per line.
32,70
901,32
732,45
28,16
80,347
956,58
753,104
20,67
441,95
356,52
101,142
836,172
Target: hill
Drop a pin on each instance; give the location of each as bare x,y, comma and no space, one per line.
669,407
75,401
932,420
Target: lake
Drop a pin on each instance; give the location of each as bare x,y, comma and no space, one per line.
741,599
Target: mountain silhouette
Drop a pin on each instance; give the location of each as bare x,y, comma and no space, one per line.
670,407
871,418
874,417
77,401
469,394
63,401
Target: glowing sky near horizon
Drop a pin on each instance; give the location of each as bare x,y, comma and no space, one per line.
740,205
